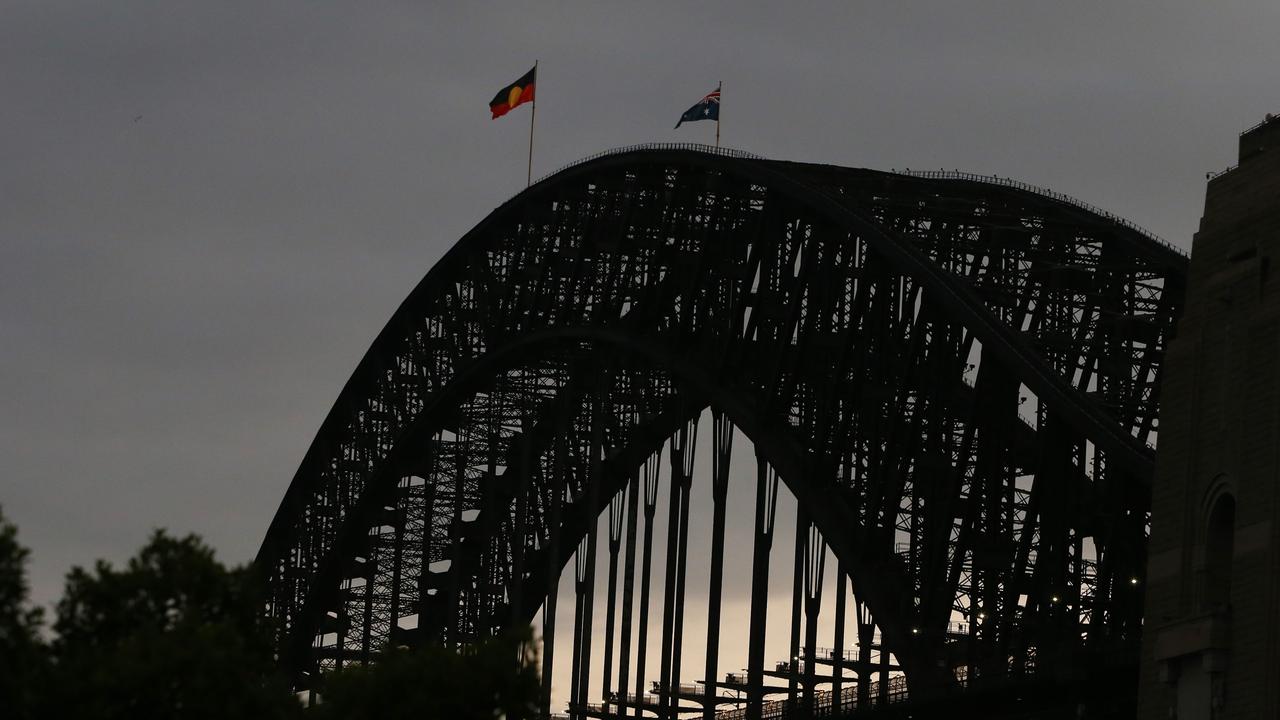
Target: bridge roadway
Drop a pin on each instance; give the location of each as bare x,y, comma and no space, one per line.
1102,691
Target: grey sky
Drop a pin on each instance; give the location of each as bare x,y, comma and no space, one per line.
208,210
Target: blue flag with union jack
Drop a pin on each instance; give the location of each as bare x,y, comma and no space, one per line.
708,108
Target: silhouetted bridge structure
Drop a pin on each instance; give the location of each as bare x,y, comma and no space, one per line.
955,376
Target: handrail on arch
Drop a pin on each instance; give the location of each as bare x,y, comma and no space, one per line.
1051,194
691,147
925,174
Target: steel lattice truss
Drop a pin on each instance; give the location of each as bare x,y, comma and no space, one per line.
957,381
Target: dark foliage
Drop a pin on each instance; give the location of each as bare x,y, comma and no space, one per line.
489,680
21,652
173,634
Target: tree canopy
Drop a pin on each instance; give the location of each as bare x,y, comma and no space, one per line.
493,679
21,650
173,634
176,634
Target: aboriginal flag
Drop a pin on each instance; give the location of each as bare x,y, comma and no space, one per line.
520,91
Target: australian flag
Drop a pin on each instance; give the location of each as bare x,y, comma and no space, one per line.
708,108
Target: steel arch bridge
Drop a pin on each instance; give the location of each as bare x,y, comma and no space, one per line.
956,378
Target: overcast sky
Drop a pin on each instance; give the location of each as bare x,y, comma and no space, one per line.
208,210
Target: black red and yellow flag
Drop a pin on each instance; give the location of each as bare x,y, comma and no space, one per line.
518,92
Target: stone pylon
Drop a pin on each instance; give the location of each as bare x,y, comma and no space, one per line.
1211,632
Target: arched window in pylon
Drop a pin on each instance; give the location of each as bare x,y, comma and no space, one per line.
1219,541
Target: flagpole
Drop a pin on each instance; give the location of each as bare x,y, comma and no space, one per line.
529,175
719,89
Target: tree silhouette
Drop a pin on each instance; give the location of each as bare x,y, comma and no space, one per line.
173,634
484,681
22,655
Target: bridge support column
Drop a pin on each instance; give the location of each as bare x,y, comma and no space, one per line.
628,588
651,476
837,644
815,560
797,605
766,506
866,638
682,448
722,446
616,508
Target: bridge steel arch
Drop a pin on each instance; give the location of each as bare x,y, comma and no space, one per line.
956,379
